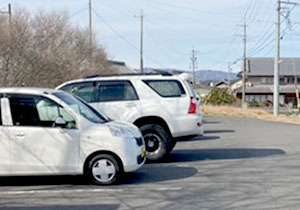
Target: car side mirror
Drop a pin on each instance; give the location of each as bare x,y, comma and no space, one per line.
60,122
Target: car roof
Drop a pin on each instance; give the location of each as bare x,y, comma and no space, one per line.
27,90
123,77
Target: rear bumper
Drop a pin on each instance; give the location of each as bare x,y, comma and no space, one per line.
188,125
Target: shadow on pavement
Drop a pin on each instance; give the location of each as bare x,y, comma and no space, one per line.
210,122
150,173
198,138
43,180
219,131
219,154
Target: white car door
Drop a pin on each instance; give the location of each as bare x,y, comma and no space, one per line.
4,142
118,100
38,146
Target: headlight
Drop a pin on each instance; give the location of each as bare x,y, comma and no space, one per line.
120,132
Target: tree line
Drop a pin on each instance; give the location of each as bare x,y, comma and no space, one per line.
46,49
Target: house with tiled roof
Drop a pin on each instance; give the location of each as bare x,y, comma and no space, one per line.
260,76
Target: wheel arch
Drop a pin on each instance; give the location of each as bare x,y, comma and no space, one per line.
91,156
153,120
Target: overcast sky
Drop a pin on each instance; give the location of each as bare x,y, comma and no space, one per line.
173,28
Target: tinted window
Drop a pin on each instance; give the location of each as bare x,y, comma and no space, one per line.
116,91
84,90
166,88
28,110
81,107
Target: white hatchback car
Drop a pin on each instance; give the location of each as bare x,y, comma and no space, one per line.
163,106
50,132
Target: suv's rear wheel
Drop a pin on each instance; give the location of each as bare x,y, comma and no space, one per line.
157,141
103,169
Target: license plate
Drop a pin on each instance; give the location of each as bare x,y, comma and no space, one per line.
143,152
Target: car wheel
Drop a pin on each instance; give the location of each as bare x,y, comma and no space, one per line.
103,169
172,145
157,141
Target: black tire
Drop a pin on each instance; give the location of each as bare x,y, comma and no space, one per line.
172,145
157,141
111,174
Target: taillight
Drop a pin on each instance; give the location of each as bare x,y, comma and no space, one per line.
193,106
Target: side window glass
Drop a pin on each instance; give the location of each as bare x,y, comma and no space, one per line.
84,90
49,111
23,110
116,91
166,88
30,110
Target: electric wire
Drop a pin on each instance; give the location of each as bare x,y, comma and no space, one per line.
123,38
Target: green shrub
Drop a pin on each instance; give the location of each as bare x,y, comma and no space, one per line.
220,97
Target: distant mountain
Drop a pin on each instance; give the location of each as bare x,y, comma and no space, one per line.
203,75
214,75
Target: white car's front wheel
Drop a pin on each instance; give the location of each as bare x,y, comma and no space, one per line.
103,169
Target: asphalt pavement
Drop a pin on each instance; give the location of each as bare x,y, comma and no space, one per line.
238,164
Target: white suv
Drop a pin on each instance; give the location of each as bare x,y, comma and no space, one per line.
163,106
50,132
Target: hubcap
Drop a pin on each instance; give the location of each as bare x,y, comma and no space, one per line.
153,143
103,170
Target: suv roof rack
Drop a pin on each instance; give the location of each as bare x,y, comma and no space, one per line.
131,74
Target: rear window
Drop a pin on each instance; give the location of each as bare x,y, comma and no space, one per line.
166,88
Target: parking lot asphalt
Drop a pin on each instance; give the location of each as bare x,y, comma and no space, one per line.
238,164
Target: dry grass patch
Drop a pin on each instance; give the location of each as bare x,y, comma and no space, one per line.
247,113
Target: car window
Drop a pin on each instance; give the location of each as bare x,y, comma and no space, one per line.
29,110
166,88
116,91
81,107
49,111
84,90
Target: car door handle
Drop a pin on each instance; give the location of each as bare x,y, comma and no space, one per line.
20,134
130,105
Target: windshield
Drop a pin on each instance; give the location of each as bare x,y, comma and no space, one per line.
81,107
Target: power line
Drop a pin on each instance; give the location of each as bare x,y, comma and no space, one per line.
168,12
78,11
247,8
123,38
187,8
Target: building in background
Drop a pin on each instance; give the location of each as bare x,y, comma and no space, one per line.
260,76
121,67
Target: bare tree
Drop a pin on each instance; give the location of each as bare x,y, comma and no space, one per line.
46,49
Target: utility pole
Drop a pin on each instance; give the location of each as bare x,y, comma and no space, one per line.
276,64
244,65
228,76
141,41
277,58
90,26
194,64
9,14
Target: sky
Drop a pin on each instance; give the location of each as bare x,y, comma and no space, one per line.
172,29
